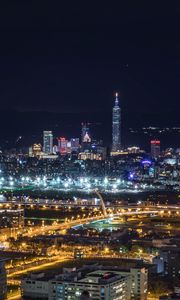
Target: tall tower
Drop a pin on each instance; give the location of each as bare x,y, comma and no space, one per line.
85,133
116,126
155,148
47,142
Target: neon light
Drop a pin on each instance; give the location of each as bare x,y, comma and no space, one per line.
146,162
155,142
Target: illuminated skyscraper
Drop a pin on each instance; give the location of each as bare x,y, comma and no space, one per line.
47,142
74,144
63,145
116,126
85,133
155,148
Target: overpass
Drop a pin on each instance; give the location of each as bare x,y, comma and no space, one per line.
107,210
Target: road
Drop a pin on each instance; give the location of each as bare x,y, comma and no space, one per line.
17,296
13,278
36,268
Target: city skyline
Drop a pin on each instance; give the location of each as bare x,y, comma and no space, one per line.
89,150
116,125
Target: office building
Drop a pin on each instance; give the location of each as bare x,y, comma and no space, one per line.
85,155
36,149
3,280
47,142
63,145
36,286
68,147
11,218
93,152
116,126
171,259
138,282
134,150
159,263
155,148
100,282
85,133
55,149
74,144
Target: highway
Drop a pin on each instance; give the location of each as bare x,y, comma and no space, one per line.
57,204
13,277
40,266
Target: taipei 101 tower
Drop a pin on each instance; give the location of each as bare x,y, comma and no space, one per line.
116,126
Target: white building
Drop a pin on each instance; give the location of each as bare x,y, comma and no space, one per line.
101,282
35,287
47,142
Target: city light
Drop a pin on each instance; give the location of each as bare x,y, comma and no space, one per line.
90,151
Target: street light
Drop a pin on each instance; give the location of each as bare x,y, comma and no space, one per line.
114,186
65,184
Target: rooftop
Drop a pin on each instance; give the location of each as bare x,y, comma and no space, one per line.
94,273
101,277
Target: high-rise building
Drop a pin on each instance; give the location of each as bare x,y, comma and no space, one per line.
116,126
85,133
155,148
36,149
63,145
171,259
47,142
55,149
100,282
11,218
74,144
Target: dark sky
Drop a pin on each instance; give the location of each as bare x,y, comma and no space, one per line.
71,57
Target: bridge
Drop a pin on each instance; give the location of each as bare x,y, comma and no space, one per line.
109,210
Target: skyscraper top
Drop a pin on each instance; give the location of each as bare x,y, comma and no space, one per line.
116,126
116,99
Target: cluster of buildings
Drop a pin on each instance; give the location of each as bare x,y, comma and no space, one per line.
85,146
11,218
168,261
94,281
87,149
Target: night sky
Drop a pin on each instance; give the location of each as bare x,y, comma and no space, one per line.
70,57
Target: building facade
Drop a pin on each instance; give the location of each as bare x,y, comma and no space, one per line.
11,218
74,144
85,133
155,148
100,284
171,259
36,149
63,145
116,126
104,283
47,142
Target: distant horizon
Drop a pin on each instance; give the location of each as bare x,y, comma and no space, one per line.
30,126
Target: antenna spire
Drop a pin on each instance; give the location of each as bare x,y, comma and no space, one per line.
116,99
